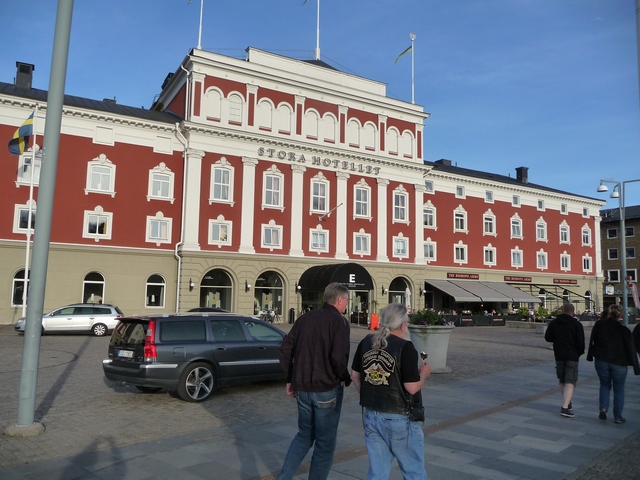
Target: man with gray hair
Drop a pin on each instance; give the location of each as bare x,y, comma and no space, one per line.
315,357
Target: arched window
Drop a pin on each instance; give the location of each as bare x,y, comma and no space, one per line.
268,293
93,288
211,104
155,291
216,290
310,125
399,292
235,109
18,288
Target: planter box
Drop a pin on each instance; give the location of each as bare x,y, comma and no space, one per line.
433,339
497,321
464,321
482,320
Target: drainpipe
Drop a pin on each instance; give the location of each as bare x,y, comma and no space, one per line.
178,257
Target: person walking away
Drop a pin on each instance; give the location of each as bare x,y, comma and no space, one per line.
315,359
612,348
385,372
567,335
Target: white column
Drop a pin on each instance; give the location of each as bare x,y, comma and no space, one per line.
297,189
248,202
193,173
341,216
418,222
382,220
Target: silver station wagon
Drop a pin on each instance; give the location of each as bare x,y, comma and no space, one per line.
99,319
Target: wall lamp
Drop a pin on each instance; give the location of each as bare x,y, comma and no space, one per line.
298,288
422,291
247,286
191,285
384,290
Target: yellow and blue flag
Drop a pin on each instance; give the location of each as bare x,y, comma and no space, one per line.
404,53
20,141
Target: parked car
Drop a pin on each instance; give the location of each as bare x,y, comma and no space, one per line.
193,353
99,319
207,310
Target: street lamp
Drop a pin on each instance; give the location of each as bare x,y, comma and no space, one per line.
618,192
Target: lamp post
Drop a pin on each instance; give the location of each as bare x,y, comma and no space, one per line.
619,194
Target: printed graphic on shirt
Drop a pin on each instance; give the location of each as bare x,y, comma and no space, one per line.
377,366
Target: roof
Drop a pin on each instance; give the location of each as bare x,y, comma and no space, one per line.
613,214
89,104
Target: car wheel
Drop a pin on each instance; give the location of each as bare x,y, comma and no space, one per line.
99,329
196,382
148,389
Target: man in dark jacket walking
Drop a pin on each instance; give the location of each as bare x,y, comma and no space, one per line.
567,335
315,357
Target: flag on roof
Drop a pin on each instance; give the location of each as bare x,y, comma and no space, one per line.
20,141
404,53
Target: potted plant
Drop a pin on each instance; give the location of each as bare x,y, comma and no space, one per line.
430,333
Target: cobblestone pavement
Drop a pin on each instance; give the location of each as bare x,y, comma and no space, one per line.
80,408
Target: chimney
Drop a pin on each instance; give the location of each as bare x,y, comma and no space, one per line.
444,161
24,74
166,80
522,174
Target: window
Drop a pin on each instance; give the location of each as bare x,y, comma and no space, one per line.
516,227
628,231
541,205
489,223
221,182
489,255
21,218
564,233
586,236
158,229
160,183
541,230
26,169
101,176
460,253
219,231
541,260
97,224
565,261
17,288
400,247
235,109
155,291
428,185
585,212
273,189
429,250
631,252
460,192
361,243
93,288
460,220
319,193
319,240
362,193
400,213
612,233
564,209
612,253
632,272
516,258
586,264
515,201
488,196
613,275
272,236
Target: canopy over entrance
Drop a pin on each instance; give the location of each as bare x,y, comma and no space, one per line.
352,275
471,291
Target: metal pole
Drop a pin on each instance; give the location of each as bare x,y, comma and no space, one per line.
413,37
200,28
31,354
318,32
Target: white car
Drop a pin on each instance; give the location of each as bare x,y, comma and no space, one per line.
80,317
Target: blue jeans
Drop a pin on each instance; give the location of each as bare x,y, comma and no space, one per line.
318,417
389,435
610,373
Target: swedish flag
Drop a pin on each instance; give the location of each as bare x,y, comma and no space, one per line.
20,141
404,53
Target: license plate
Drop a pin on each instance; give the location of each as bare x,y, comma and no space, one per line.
125,353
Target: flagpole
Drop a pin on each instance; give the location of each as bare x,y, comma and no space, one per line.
318,32
25,287
413,37
200,30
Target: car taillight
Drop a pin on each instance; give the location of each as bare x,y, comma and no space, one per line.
150,352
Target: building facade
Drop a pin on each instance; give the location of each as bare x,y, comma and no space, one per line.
251,183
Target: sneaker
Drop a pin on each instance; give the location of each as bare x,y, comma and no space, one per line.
619,420
570,407
603,414
565,412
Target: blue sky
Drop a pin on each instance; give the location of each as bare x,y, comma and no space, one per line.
547,84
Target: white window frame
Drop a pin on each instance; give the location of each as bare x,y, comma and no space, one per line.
236,107
101,214
154,284
587,264
540,206
431,208
400,212
360,237
321,181
159,221
565,233
273,173
319,233
564,209
492,252
222,166
223,226
489,218
17,217
610,251
460,192
585,212
429,187
516,226
541,228
565,261
617,275
630,249
460,253
271,228
365,205
586,236
517,258
161,171
633,273
612,233
460,220
488,196
400,240
25,168
515,201
542,260
434,247
101,162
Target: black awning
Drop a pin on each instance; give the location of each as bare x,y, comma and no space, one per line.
352,275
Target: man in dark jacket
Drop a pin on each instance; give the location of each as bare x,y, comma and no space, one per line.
315,358
567,335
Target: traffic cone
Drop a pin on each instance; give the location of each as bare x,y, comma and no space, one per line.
373,324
